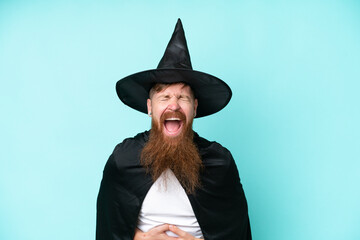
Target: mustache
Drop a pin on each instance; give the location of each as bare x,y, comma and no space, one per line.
173,114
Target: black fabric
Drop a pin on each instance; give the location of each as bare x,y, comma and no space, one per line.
219,205
177,53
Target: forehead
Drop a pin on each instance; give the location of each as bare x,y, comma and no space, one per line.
176,88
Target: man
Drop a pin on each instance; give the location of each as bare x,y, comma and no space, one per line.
169,183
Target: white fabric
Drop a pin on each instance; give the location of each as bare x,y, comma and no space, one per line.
168,203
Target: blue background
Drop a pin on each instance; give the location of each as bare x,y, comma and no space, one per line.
292,124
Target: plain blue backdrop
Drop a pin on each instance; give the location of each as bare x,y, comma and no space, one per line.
292,124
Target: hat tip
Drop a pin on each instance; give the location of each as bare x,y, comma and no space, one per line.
178,24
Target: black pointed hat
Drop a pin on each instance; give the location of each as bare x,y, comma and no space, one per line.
175,66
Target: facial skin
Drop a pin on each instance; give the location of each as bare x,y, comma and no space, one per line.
166,103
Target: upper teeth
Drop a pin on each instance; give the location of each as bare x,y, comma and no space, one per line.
169,119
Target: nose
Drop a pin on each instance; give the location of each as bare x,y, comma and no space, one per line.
173,104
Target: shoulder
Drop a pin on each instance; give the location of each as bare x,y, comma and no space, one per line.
220,169
127,153
212,150
132,144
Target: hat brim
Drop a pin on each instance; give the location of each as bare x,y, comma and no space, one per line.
212,93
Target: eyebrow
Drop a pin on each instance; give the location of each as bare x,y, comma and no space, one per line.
185,96
162,95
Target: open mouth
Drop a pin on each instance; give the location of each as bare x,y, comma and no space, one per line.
173,126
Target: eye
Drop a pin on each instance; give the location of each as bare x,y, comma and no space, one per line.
184,98
164,98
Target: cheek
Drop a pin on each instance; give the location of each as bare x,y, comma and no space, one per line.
158,112
158,108
188,110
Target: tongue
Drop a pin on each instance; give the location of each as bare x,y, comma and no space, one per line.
172,126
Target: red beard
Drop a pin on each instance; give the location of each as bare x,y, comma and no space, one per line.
178,153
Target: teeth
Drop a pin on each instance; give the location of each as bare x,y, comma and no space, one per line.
172,119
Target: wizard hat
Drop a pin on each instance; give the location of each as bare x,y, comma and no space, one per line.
175,67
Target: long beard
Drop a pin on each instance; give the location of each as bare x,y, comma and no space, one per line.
178,154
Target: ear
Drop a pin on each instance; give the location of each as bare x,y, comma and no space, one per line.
148,103
195,106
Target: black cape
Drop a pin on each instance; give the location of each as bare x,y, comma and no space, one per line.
219,205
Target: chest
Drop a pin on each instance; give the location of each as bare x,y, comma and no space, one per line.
167,202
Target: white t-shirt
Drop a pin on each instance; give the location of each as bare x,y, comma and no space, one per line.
168,204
